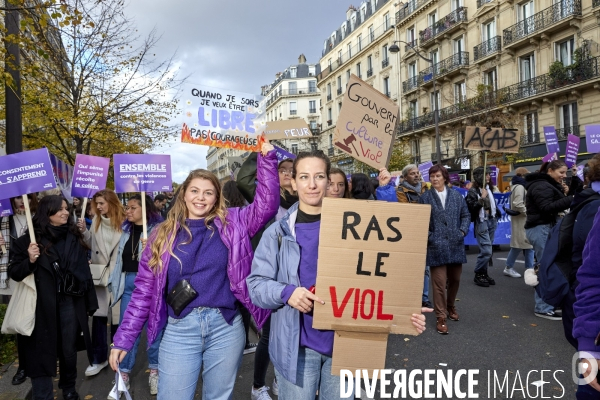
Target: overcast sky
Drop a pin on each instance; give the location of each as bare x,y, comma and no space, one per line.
234,44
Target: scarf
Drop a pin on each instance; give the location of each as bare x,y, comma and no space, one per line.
5,230
287,201
417,188
518,180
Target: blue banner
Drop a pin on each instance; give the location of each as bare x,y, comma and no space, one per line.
503,230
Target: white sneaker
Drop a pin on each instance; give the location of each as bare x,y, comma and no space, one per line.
111,395
260,394
250,348
153,382
275,387
94,369
511,272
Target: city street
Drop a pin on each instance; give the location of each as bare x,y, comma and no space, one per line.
497,331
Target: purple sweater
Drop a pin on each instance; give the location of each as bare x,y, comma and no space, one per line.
307,237
204,265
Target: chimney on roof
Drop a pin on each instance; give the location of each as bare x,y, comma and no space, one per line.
302,59
351,10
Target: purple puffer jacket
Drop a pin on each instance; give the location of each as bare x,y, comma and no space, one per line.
148,299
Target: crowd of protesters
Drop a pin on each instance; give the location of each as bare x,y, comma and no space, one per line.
222,259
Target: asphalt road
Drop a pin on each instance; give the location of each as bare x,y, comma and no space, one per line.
497,331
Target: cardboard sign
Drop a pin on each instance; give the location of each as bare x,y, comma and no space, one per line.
592,138
572,150
142,173
5,208
492,139
424,170
370,270
223,118
551,139
89,175
283,155
288,129
366,124
26,172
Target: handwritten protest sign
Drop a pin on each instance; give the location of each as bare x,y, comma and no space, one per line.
366,124
492,139
572,150
592,138
223,118
142,172
288,129
551,139
424,170
370,273
89,175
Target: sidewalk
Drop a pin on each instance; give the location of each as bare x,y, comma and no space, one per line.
8,391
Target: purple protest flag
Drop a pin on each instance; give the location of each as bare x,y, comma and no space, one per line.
580,171
592,138
424,170
283,155
26,172
493,174
5,208
572,150
550,157
551,139
142,173
89,175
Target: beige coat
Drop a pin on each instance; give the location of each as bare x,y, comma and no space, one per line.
517,224
100,254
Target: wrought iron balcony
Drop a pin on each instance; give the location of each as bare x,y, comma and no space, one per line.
312,111
339,90
315,131
444,67
369,72
480,3
385,63
293,112
595,3
538,22
449,21
414,43
410,84
586,70
410,7
487,48
530,138
563,133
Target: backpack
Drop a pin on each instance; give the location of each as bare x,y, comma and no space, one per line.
556,265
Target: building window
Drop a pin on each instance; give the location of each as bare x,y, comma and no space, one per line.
412,70
329,116
488,31
413,109
349,50
490,79
564,51
330,140
313,125
459,45
369,66
348,73
456,4
339,57
312,107
386,21
460,140
568,116
329,91
386,86
530,127
329,63
312,86
293,72
292,88
358,70
384,52
460,92
415,147
410,36
359,42
339,106
295,148
434,56
435,100
311,70
371,34
293,108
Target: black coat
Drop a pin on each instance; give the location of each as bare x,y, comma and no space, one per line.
41,348
545,199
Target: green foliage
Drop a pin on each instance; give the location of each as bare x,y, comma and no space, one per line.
8,343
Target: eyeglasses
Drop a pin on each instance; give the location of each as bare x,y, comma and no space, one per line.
286,172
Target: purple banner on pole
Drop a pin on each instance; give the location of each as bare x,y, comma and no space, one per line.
142,173
550,157
283,155
89,175
454,178
572,150
551,139
424,170
592,138
26,172
5,208
493,174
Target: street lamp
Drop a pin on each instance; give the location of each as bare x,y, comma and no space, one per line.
394,48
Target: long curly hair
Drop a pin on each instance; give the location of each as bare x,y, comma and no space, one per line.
166,233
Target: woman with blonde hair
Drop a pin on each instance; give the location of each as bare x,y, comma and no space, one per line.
191,278
103,238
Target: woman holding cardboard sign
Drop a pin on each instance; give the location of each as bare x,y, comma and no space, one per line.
190,281
449,223
284,271
103,238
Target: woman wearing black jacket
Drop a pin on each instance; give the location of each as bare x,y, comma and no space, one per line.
546,198
59,316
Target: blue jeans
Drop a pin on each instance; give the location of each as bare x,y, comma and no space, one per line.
538,236
129,360
484,232
314,373
514,253
202,337
426,284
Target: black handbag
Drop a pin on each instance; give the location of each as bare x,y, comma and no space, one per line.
510,212
180,296
66,283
